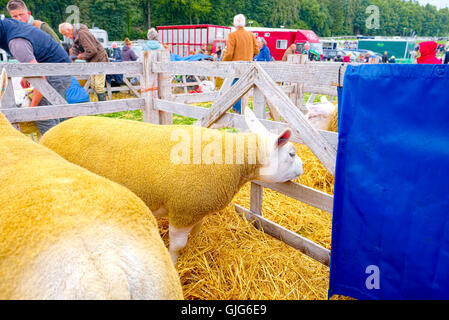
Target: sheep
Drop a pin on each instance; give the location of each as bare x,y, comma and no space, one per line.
22,98
323,116
143,157
67,233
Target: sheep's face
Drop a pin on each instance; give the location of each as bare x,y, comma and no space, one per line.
281,164
22,98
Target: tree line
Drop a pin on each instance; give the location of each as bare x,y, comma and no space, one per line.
131,18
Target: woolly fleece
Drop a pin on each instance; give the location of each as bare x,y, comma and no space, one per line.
137,155
48,207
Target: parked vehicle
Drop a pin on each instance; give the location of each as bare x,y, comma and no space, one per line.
101,35
279,39
185,39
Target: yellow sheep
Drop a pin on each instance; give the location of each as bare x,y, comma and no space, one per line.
66,233
185,172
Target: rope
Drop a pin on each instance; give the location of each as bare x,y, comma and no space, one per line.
153,88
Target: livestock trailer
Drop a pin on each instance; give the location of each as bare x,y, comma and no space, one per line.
184,39
280,39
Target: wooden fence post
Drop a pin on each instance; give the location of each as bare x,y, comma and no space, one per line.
165,92
149,90
260,110
9,100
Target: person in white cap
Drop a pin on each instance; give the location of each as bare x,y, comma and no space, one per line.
241,46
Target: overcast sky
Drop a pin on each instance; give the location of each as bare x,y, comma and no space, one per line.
437,3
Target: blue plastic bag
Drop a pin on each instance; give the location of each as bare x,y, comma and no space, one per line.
390,237
76,93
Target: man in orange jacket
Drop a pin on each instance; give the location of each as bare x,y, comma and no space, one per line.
241,46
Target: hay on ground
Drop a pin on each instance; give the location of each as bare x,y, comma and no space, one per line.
230,259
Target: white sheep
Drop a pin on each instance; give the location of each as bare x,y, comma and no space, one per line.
185,172
320,114
67,233
207,86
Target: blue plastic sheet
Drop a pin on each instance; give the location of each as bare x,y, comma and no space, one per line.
390,237
195,57
76,94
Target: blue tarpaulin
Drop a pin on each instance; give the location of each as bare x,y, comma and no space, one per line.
390,237
195,57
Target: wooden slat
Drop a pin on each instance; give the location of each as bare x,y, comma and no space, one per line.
108,89
256,198
131,87
315,198
186,84
194,97
319,74
9,100
71,110
47,91
229,120
259,104
306,246
71,69
227,83
87,85
288,111
228,99
164,85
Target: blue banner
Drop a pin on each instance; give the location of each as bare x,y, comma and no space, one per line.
390,237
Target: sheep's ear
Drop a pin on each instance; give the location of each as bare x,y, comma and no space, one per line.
283,138
254,124
3,83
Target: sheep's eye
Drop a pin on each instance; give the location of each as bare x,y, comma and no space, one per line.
292,154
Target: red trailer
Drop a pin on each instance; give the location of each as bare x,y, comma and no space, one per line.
183,40
280,39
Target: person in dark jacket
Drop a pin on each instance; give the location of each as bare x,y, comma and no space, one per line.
29,44
264,53
116,52
86,47
385,57
127,53
446,57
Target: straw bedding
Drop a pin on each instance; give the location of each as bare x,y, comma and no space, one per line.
230,259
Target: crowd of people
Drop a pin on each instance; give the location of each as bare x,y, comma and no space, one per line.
29,40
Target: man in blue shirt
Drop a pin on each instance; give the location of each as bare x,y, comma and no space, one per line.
29,44
264,53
